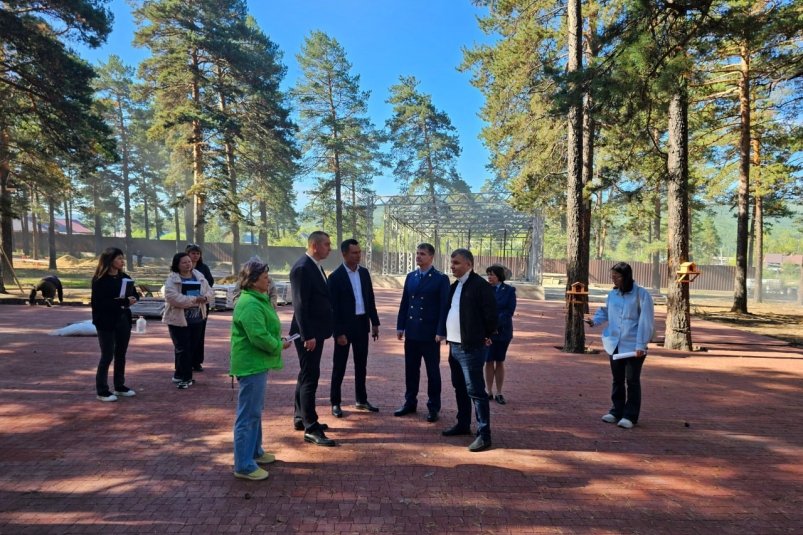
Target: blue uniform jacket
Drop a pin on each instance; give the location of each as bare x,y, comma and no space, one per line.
423,307
505,307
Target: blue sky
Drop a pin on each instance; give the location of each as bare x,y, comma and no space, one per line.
383,39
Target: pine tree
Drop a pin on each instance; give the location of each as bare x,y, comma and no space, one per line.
45,94
333,119
425,146
115,85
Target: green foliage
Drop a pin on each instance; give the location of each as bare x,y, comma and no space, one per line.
341,144
425,145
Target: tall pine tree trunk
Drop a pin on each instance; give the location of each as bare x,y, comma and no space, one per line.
35,235
98,220
146,216
25,232
263,228
198,186
126,163
6,224
177,222
51,234
758,222
589,133
574,336
743,203
678,320
68,224
656,235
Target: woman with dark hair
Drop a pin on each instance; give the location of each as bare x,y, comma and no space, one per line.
113,293
186,294
256,348
198,264
497,351
629,313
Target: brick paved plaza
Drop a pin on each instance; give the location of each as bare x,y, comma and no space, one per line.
719,448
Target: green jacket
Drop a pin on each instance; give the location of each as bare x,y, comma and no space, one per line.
256,343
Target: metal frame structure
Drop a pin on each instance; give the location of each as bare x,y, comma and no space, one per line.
485,223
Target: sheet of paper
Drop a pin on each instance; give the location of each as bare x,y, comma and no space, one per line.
624,355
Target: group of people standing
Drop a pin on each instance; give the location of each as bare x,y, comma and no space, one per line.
470,315
188,295
473,316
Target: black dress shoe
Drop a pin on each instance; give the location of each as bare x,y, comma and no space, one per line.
198,368
480,444
366,407
337,412
319,439
401,411
432,416
456,430
298,425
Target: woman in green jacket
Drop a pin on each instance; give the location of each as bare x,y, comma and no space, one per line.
256,347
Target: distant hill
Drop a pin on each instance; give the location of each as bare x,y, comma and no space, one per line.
788,228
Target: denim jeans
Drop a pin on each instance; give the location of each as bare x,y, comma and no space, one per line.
248,423
626,400
113,346
467,367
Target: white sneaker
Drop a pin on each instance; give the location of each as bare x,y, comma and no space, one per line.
609,418
126,393
625,423
107,397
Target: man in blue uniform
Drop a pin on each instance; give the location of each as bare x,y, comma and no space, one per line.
422,324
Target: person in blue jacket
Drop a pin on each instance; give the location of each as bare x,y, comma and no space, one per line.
630,316
497,351
421,322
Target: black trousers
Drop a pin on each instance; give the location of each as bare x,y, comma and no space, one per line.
626,389
113,346
198,355
186,342
309,363
358,341
430,351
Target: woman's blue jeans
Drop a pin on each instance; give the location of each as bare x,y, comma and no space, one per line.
248,423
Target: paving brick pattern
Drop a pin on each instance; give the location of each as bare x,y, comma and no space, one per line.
719,448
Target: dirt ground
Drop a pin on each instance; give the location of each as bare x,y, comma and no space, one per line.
781,320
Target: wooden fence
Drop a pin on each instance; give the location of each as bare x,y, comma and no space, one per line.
717,278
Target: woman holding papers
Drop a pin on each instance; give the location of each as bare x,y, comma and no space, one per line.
186,294
112,293
629,313
256,347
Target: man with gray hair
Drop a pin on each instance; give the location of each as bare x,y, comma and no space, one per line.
470,322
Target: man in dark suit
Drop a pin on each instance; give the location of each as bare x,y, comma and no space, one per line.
354,307
470,322
422,324
312,320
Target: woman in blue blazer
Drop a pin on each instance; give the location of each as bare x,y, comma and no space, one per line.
497,351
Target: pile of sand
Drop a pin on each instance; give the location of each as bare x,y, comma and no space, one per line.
68,261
